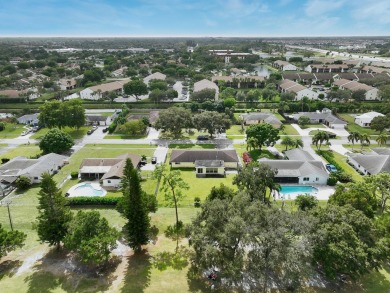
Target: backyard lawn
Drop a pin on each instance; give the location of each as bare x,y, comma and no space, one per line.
352,127
12,130
288,130
74,133
25,150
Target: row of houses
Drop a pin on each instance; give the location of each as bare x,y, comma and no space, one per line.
371,93
300,91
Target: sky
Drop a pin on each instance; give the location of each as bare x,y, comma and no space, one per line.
197,18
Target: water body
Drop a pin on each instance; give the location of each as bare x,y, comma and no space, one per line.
262,70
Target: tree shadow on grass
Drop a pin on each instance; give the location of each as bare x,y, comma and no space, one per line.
9,267
61,270
177,260
137,278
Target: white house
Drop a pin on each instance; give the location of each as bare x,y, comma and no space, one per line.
206,84
300,91
108,170
325,116
96,92
31,168
365,119
345,84
301,168
206,162
374,162
284,65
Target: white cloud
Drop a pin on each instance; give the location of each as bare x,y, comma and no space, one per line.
374,11
315,8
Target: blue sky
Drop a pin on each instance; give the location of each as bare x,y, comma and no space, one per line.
263,18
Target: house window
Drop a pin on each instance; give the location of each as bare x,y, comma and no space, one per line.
36,178
306,178
212,171
317,178
200,170
108,181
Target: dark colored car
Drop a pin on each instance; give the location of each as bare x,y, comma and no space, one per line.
89,132
105,130
203,137
154,160
331,168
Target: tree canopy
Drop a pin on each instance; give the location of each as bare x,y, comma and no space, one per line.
135,87
211,121
263,135
173,120
56,141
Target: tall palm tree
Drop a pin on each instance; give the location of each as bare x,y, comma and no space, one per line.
364,139
298,143
319,138
382,139
353,137
250,143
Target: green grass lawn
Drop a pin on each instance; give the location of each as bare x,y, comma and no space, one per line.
352,127
12,130
74,133
191,146
26,150
184,135
105,114
236,130
288,130
313,126
124,136
357,147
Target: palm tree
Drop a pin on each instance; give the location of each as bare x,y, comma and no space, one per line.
382,139
287,141
319,138
250,143
364,139
298,143
353,137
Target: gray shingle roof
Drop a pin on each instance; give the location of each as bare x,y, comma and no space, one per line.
178,156
295,168
298,154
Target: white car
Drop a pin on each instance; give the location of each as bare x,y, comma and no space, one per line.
24,133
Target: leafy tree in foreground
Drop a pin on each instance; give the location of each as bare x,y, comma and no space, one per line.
306,202
345,242
263,134
381,185
133,208
53,216
56,141
211,121
10,240
360,195
23,183
251,244
91,237
256,179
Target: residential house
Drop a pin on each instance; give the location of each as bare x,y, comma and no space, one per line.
206,84
324,117
364,120
67,84
31,168
98,91
155,76
250,81
284,65
374,69
371,163
29,119
301,168
261,117
206,162
108,170
344,84
313,68
121,72
300,91
96,119
229,54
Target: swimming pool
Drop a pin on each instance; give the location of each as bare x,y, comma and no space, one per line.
87,189
297,189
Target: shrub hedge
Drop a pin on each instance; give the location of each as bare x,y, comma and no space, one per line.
92,200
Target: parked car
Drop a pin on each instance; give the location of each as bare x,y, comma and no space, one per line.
89,132
331,168
154,160
105,130
24,133
94,127
203,137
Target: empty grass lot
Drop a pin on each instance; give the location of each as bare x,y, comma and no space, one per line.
26,150
11,130
74,133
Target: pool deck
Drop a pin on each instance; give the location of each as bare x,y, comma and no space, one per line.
323,193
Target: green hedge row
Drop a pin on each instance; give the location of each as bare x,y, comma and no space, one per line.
329,157
92,200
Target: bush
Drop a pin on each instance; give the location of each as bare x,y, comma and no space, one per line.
4,160
74,175
93,200
197,202
306,202
332,181
343,177
2,126
23,183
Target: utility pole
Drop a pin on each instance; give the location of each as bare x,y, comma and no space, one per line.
9,216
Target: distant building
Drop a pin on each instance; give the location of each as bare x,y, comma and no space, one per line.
67,84
325,117
155,76
229,54
206,84
364,120
371,163
300,91
284,65
261,117
29,119
313,68
96,92
344,84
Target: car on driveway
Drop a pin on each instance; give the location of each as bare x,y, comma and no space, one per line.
154,160
203,137
331,168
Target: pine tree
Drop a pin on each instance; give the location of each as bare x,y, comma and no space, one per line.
133,208
54,216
